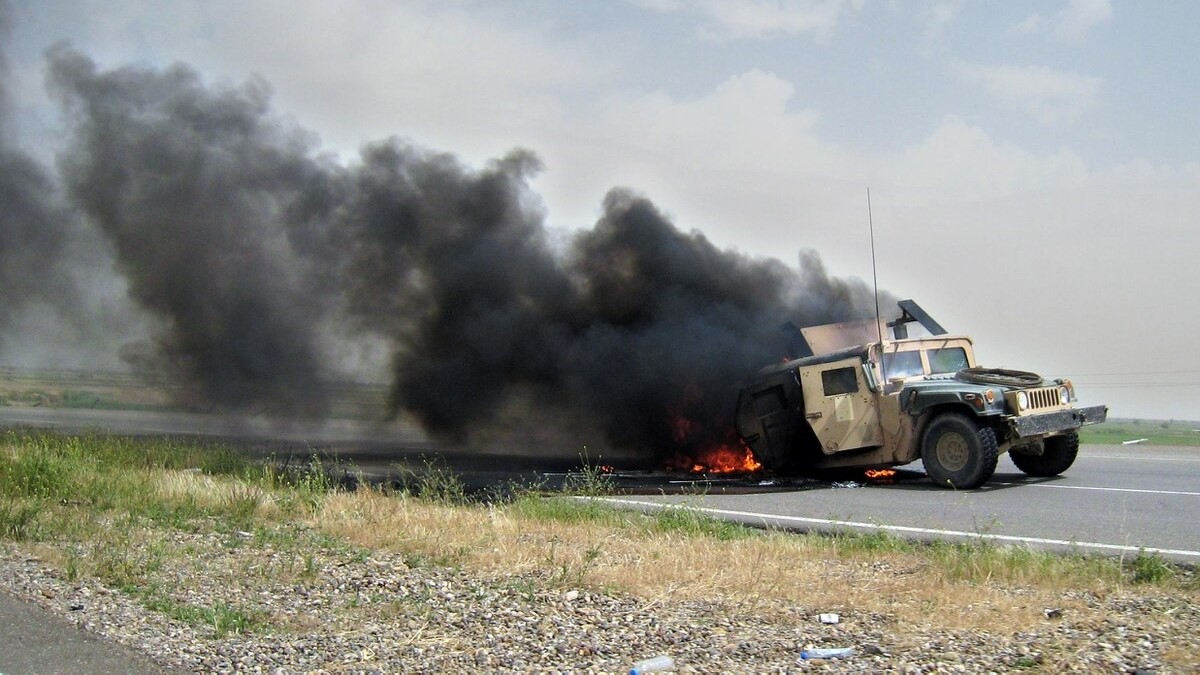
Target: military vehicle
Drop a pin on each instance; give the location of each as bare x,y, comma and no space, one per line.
859,399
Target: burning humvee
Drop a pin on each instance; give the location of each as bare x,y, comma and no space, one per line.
861,399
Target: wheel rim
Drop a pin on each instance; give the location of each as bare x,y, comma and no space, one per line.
952,451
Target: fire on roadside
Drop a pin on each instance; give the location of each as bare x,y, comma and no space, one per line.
880,474
697,452
721,458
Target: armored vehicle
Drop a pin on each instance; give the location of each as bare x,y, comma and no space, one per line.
854,402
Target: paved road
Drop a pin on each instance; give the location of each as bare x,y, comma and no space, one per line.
32,640
1114,500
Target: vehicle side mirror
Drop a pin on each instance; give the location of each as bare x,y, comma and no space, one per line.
869,375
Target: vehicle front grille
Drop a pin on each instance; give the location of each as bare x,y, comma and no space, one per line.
1041,399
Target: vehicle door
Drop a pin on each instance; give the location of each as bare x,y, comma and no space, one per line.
839,406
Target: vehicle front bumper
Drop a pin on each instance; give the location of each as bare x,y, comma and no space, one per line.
1059,420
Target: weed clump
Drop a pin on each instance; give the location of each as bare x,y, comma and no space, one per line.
1150,568
431,482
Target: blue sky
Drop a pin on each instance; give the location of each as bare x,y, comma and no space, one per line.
1034,166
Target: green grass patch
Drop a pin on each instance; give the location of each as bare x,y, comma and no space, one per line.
692,523
51,485
984,560
224,619
852,543
584,509
18,520
1156,432
1150,568
566,509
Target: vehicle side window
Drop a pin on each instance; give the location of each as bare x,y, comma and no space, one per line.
948,360
902,364
839,381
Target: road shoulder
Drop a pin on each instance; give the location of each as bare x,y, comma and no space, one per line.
33,640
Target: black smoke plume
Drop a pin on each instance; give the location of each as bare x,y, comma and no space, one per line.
34,228
257,257
192,187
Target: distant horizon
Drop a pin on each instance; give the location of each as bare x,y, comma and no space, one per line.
8,370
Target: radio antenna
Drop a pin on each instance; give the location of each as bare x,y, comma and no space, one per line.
875,275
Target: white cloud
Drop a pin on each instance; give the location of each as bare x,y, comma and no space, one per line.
1049,95
446,74
661,5
744,120
742,152
1072,24
962,163
939,16
748,164
760,19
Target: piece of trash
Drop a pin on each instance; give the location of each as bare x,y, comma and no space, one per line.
77,608
656,664
846,484
1054,613
828,618
833,653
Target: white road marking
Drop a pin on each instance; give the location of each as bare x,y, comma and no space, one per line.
1141,458
1106,489
768,517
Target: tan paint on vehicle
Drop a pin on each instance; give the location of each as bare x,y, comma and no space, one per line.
841,419
863,418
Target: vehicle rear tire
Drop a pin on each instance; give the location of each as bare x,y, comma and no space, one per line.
1057,456
958,453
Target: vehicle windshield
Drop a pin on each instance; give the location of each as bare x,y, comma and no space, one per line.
947,360
902,364
908,363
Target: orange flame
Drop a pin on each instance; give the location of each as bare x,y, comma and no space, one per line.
701,448
880,473
718,459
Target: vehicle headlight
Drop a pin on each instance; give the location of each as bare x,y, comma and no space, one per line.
1022,400
1064,395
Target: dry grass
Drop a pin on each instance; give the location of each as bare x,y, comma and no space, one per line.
208,491
772,572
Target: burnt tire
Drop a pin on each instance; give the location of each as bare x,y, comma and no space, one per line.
958,453
1057,456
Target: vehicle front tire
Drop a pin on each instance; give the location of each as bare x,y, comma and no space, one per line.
958,453
1057,456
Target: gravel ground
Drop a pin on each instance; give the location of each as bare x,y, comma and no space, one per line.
340,610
